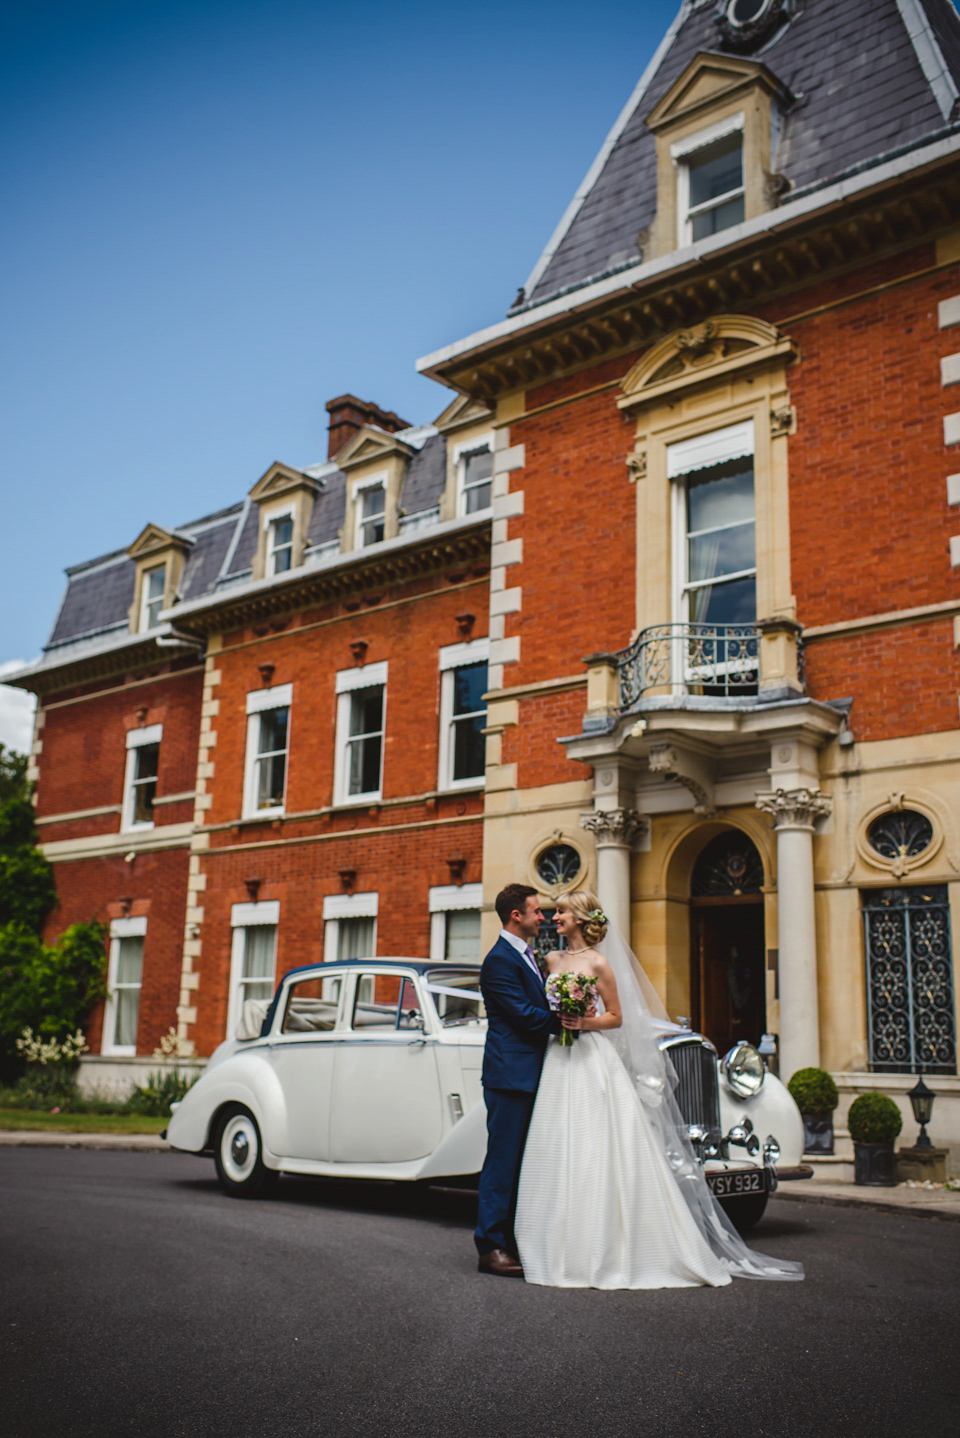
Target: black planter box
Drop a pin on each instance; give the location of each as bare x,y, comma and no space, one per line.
817,1132
875,1165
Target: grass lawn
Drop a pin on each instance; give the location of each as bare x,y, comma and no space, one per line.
36,1120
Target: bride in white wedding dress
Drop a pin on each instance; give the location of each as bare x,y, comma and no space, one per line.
611,1193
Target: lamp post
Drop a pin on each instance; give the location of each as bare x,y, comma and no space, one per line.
921,1101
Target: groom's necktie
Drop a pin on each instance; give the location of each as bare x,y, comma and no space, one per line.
532,961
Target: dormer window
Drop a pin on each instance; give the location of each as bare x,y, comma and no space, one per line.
477,480
280,545
151,597
710,188
371,517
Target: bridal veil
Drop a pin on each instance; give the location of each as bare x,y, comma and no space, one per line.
655,1080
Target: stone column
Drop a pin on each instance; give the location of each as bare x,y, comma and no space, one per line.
794,812
614,831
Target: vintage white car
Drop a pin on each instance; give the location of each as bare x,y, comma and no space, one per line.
370,1069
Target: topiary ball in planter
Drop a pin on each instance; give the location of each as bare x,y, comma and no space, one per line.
874,1122
815,1094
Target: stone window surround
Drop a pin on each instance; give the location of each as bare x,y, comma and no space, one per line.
442,900
129,928
364,676
243,917
280,696
136,739
451,657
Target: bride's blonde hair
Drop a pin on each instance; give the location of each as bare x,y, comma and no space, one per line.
585,908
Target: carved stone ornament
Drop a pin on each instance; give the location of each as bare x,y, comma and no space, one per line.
637,463
615,826
665,760
781,421
699,339
795,808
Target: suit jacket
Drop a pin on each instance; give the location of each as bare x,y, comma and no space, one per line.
519,1020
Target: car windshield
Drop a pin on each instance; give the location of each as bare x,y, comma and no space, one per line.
456,994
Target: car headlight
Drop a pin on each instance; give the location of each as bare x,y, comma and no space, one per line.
743,1070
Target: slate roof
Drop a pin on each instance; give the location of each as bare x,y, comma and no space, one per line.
426,476
860,90
99,593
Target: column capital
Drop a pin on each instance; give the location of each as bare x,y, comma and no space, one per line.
795,808
615,826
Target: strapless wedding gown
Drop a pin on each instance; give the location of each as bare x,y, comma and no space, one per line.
598,1205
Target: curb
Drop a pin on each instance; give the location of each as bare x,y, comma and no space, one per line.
942,1213
29,1138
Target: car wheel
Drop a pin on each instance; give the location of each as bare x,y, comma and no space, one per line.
745,1210
237,1152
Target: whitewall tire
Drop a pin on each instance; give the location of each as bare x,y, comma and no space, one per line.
238,1154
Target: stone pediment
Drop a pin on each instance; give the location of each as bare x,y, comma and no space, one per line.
462,411
703,352
153,539
707,82
370,443
279,480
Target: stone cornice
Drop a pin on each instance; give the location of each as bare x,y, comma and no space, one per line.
454,546
133,654
878,214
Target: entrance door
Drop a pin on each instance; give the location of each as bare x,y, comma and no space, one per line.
727,968
729,973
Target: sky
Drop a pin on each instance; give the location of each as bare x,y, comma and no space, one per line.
221,215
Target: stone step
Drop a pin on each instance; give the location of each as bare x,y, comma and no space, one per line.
831,1167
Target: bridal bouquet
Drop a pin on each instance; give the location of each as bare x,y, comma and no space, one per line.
574,995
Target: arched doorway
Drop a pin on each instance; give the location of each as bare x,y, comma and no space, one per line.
727,968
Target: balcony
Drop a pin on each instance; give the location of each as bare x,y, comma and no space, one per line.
722,664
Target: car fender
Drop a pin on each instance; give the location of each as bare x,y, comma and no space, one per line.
771,1110
246,1077
462,1150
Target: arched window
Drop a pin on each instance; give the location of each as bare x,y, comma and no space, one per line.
729,864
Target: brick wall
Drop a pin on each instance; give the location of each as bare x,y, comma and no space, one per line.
155,885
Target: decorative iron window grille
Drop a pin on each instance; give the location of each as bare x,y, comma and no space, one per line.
900,834
729,864
560,864
705,659
548,938
910,1008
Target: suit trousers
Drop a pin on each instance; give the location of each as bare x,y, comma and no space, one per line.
508,1118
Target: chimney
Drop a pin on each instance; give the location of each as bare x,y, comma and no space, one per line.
349,414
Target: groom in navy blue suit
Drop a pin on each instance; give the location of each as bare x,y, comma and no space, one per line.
519,1022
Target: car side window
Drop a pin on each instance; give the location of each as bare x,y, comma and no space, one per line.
309,1009
382,1001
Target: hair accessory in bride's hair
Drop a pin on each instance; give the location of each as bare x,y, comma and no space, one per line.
598,916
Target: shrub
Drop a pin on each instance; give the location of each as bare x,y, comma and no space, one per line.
50,987
153,1099
874,1118
813,1091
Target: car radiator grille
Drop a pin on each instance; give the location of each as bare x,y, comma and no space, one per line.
697,1093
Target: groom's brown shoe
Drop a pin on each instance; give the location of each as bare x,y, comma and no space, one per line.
498,1260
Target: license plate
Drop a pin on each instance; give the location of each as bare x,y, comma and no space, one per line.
723,1185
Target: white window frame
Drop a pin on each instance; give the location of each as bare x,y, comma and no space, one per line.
134,928
258,702
137,739
445,899
460,453
242,918
681,152
336,908
451,657
270,519
365,676
373,481
146,601
689,456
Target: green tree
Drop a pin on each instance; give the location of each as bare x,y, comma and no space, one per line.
50,987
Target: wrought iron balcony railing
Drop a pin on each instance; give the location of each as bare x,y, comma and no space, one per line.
716,660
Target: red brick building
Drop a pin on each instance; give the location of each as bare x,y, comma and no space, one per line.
710,450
